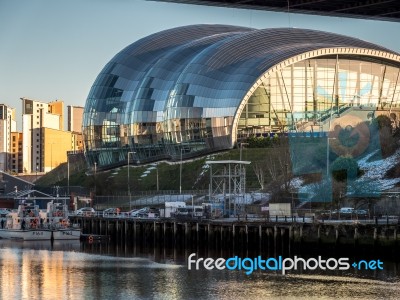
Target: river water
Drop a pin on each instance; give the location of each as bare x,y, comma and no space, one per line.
80,270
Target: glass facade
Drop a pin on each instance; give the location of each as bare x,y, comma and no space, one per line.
302,96
196,89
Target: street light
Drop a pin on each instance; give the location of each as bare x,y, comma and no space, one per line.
240,167
157,177
180,175
129,186
67,170
95,170
241,148
37,167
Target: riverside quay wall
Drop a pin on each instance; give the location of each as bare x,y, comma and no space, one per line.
235,234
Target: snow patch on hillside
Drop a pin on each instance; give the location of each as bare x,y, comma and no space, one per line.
377,169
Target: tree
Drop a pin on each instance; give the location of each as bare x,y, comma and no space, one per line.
387,140
345,167
259,170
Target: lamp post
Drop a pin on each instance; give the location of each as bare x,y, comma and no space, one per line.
180,175
241,148
95,170
129,186
241,171
36,172
157,177
67,172
327,154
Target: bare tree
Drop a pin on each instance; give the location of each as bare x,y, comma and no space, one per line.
272,168
259,170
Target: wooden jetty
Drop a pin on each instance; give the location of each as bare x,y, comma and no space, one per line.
241,234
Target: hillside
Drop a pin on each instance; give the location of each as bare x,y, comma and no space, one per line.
195,175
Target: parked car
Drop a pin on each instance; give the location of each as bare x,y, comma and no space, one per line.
138,213
111,212
326,214
361,212
141,213
346,210
129,213
86,212
153,213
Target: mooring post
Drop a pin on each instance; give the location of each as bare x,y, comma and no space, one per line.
186,233
197,233
92,225
164,232
154,233
107,227
175,229
336,234
301,232
259,237
282,232
233,236
116,230
126,228
134,231
221,235
247,235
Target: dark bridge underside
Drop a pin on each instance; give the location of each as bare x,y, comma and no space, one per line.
385,10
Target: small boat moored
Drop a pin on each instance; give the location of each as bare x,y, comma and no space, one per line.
56,219
25,224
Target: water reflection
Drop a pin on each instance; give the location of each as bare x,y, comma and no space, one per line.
75,270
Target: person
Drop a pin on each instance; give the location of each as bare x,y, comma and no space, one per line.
2,223
23,224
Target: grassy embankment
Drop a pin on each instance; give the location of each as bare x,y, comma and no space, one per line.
114,181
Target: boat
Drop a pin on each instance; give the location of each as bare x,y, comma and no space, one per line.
25,224
56,219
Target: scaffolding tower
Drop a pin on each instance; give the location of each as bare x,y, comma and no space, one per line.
228,185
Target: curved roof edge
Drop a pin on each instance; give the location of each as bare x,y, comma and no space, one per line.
391,56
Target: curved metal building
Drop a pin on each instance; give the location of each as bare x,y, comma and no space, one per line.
197,89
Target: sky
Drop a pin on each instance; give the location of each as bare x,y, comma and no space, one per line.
54,49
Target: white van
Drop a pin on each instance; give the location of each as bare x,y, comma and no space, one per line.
175,208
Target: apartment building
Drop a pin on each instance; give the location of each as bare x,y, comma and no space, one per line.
7,126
